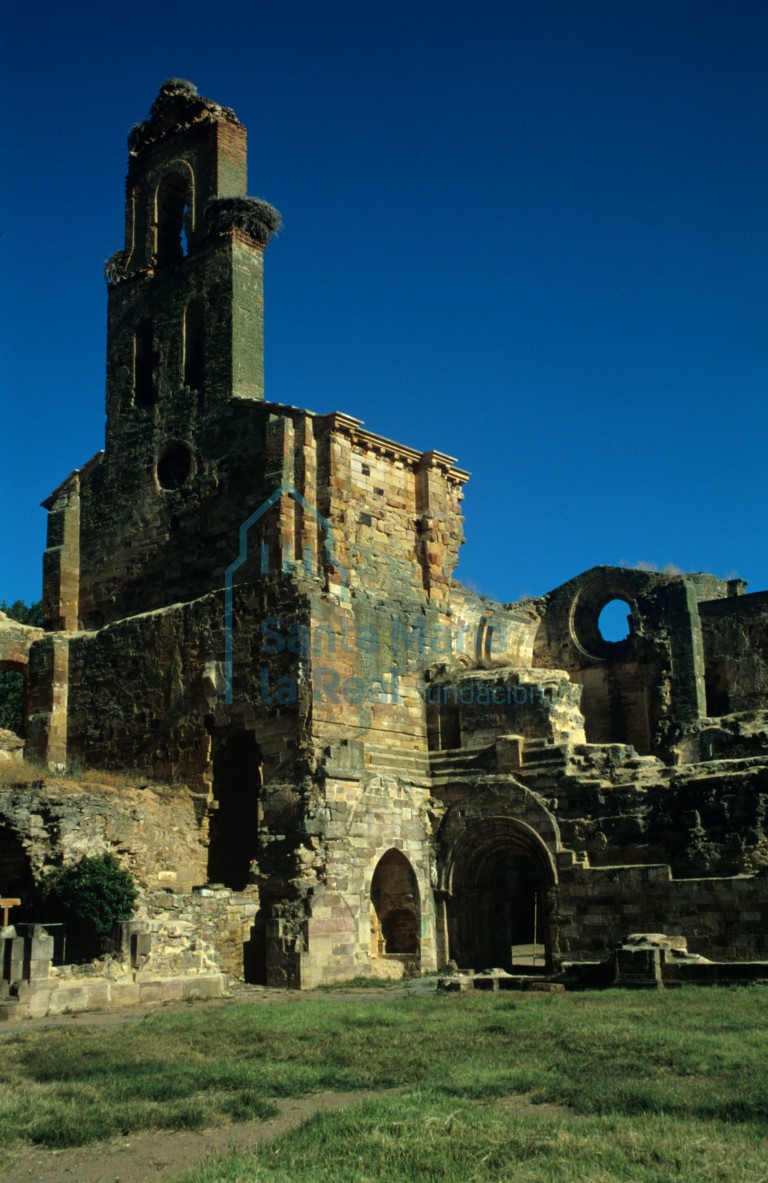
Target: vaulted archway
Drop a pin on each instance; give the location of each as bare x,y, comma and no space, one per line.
499,903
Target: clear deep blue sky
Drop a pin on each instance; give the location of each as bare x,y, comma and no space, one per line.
530,234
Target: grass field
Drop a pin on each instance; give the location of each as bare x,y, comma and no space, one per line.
625,1086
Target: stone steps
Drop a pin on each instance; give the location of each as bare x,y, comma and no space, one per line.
403,762
455,763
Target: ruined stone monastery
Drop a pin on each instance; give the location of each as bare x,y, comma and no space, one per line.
340,760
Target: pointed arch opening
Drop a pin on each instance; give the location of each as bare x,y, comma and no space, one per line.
499,906
395,910
172,218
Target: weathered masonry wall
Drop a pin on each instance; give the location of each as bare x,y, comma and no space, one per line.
365,818
154,830
735,635
148,693
723,919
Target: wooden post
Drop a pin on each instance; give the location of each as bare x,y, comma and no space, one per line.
6,906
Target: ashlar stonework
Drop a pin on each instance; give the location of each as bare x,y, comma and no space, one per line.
252,606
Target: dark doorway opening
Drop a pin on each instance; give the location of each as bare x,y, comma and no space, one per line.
255,952
513,904
237,765
13,698
499,907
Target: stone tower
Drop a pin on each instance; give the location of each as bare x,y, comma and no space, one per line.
184,344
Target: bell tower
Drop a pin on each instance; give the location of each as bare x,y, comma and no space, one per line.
185,374
185,322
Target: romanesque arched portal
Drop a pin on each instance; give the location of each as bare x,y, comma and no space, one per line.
498,907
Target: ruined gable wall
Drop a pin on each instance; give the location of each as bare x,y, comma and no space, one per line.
642,689
735,635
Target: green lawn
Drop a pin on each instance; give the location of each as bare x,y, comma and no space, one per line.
627,1086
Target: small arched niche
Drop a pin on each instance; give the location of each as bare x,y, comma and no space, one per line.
395,909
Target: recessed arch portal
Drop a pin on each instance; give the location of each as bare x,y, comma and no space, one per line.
500,879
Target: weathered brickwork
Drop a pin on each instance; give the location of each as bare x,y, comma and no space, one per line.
367,767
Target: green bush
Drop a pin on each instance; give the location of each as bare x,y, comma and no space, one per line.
93,894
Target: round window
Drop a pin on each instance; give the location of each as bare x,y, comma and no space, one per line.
613,621
174,467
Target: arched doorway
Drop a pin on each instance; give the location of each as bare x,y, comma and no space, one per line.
499,903
395,909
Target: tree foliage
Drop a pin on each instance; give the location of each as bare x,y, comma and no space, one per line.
92,894
11,681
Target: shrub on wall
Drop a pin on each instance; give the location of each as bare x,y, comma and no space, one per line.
91,896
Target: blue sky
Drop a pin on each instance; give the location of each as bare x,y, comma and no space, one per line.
530,234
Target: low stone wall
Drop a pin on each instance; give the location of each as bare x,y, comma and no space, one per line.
208,928
723,918
31,987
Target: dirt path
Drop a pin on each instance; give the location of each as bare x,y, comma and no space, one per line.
160,1154
255,994
165,1154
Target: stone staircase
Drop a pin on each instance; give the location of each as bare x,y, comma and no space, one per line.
406,763
454,764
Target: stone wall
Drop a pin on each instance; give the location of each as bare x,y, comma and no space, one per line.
724,919
153,830
365,817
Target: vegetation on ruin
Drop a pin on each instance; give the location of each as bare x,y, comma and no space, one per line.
11,682
23,772
91,895
599,1086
